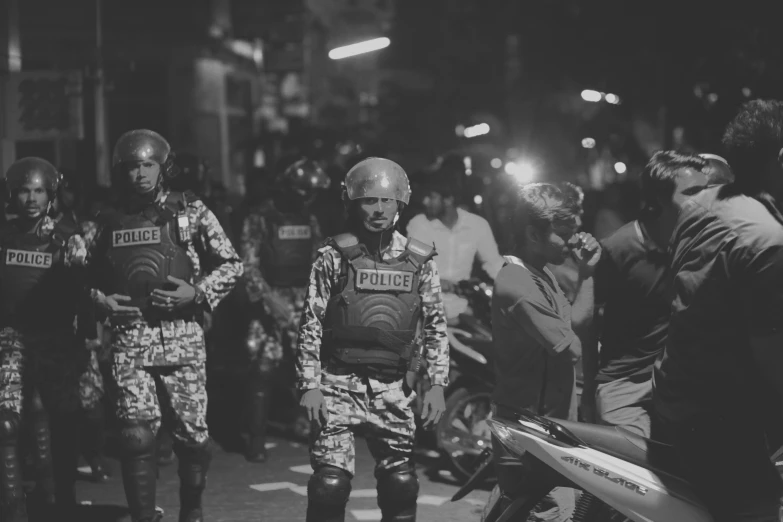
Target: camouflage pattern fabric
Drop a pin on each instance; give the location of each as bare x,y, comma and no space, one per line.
178,342
323,277
91,388
381,410
176,393
47,363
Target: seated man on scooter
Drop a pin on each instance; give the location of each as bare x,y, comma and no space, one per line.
719,386
534,327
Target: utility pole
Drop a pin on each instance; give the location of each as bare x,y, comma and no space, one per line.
102,167
10,62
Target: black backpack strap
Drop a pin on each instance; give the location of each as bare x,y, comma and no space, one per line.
419,252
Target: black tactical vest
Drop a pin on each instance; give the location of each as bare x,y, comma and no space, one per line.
36,291
374,317
287,258
144,248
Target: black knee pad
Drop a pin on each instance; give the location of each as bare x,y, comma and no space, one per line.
398,488
9,427
137,439
194,461
329,486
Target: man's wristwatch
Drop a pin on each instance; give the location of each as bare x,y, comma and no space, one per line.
200,297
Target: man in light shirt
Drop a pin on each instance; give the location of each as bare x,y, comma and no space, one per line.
460,237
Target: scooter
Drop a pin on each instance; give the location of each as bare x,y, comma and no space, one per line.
618,472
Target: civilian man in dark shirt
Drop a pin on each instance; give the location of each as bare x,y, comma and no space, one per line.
534,327
720,381
631,285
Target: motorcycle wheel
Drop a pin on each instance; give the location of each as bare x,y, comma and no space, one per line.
463,432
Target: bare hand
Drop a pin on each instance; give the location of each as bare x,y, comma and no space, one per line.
110,304
170,300
433,407
588,254
315,405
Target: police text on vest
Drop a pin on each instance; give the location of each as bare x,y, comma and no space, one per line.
136,236
294,232
384,280
28,258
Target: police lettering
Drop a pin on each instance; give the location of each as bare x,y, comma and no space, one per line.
384,280
27,258
294,232
136,236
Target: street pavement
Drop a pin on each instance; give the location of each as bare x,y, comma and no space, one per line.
277,491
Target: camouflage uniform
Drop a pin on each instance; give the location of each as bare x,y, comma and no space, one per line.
166,360
352,400
39,381
176,345
91,385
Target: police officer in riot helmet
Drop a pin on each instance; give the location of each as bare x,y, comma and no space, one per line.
280,239
191,174
40,286
161,260
372,293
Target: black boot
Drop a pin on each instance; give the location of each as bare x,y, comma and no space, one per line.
13,506
139,469
194,463
94,443
258,412
44,492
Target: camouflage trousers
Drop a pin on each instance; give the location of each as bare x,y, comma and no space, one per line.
49,365
176,394
382,411
273,331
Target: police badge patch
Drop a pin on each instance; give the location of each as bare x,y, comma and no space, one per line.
136,236
294,232
28,258
384,280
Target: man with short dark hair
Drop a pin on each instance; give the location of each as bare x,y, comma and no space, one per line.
632,287
717,170
534,327
460,237
719,383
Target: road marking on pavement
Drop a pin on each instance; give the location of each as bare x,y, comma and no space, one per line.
364,493
366,514
432,500
302,490
474,501
307,469
86,502
445,473
295,445
84,469
273,486
270,445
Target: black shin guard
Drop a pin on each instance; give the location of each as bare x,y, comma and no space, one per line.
327,494
398,490
12,499
194,464
257,415
42,452
139,468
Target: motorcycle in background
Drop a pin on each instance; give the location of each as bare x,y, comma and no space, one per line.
620,474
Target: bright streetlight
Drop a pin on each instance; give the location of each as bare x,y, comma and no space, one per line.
477,199
591,96
620,167
368,46
476,130
588,143
496,163
521,170
612,98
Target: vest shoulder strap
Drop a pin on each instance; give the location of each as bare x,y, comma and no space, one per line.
419,252
347,244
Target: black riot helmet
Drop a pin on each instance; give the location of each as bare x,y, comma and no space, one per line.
303,178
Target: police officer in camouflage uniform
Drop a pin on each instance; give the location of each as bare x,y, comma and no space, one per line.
41,283
372,293
280,240
159,260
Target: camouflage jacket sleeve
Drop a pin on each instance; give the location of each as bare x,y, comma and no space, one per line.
308,353
222,266
436,344
253,237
